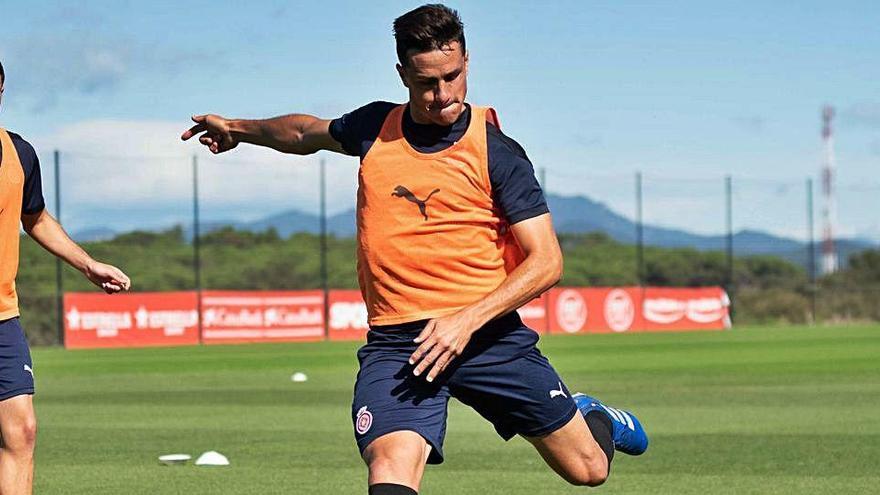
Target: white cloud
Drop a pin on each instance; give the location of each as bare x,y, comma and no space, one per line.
47,67
139,173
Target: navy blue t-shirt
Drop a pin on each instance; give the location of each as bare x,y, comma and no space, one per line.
32,200
514,186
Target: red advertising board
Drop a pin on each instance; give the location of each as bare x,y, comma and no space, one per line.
231,317
235,317
130,320
348,316
594,309
676,309
606,309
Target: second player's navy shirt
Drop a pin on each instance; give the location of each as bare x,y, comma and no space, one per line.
514,186
32,199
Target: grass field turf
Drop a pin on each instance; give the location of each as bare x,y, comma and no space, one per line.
752,410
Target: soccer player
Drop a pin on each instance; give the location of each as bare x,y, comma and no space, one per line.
454,235
21,203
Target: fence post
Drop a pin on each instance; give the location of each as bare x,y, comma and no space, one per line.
197,247
640,240
811,252
728,194
324,282
59,279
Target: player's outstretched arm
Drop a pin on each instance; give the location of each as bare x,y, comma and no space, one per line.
48,233
298,134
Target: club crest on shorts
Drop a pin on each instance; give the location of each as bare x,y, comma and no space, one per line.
364,420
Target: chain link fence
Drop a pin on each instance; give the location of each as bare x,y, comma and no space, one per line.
262,220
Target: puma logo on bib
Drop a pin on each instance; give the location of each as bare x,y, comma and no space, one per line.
402,192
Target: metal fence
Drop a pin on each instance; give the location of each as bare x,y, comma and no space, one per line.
261,220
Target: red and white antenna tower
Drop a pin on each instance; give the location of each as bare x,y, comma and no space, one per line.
829,207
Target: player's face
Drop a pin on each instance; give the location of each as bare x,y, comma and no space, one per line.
2,84
437,83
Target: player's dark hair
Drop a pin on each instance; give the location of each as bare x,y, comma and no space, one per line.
429,27
2,74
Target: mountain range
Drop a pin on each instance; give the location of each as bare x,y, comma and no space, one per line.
571,214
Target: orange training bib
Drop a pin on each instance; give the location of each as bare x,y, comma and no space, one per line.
11,193
430,240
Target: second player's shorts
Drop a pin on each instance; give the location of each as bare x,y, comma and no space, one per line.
502,375
16,368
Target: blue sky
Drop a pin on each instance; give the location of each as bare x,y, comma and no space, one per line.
686,92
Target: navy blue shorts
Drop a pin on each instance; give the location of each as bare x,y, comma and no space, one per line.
16,368
501,374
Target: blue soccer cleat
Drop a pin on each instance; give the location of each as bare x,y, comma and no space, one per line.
628,435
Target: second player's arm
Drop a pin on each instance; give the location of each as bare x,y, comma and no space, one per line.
44,229
298,134
445,338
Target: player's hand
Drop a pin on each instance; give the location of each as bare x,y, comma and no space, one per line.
216,133
107,277
442,340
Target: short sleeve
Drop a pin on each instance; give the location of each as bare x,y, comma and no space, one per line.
32,198
515,188
357,130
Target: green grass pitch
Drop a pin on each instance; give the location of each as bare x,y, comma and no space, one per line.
751,410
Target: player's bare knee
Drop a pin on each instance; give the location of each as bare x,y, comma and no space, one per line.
587,478
591,472
388,469
382,464
389,462
20,438
598,468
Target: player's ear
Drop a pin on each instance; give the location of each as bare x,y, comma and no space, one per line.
402,73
